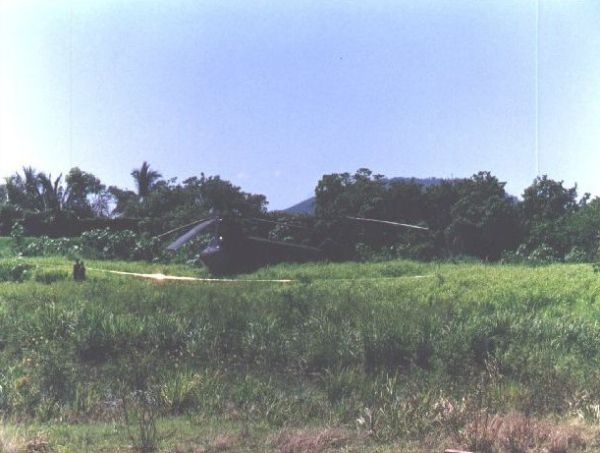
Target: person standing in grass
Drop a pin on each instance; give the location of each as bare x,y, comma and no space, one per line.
78,271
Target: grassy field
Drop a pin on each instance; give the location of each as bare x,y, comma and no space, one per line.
377,357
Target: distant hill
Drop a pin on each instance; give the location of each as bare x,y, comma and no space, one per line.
307,207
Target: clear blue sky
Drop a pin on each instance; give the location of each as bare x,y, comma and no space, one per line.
272,95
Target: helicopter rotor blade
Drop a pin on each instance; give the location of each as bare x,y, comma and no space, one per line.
184,239
183,227
387,222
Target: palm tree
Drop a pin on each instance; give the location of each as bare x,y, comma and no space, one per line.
145,179
52,192
31,184
24,191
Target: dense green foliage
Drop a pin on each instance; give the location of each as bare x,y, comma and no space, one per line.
466,217
473,216
41,203
400,342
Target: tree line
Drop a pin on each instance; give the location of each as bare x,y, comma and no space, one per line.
466,217
36,199
472,216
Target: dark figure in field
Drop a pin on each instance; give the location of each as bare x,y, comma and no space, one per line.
78,271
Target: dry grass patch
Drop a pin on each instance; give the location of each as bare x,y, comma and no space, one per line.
215,444
222,442
518,433
13,442
311,440
9,442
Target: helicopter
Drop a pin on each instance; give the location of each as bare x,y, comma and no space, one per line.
232,250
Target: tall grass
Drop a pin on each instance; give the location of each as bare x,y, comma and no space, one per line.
407,356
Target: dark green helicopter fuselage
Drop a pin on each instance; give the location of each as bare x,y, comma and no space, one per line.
231,251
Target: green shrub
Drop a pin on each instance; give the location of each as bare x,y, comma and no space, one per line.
11,271
45,246
49,276
126,244
103,244
17,233
543,254
576,255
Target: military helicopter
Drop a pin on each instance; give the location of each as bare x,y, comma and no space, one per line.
231,250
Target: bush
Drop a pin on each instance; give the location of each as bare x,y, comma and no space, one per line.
17,233
543,254
108,244
576,255
102,244
18,272
45,246
50,276
126,244
365,252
